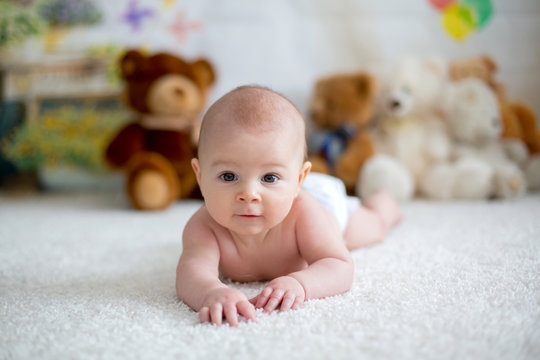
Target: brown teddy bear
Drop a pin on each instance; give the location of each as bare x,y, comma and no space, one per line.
518,119
155,150
341,109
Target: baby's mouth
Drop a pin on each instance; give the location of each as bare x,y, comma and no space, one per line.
248,214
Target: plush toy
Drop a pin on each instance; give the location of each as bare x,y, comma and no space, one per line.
518,119
529,130
409,133
482,165
155,150
482,67
341,109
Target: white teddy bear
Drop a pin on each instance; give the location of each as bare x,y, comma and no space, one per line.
481,165
409,135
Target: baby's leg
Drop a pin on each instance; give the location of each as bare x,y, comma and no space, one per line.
369,223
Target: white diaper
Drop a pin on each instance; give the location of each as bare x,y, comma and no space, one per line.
330,192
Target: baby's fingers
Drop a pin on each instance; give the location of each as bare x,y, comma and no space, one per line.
216,313
263,297
288,301
246,309
275,300
229,310
204,314
298,302
253,300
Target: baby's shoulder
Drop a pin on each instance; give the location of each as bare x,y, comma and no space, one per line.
200,218
314,224
306,206
200,227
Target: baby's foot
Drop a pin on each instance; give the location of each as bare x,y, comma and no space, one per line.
386,206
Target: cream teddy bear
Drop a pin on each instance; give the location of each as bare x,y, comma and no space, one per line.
409,135
481,164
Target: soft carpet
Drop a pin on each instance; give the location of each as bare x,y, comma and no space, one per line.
84,277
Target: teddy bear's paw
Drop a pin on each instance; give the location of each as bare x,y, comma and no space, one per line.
532,172
516,150
437,145
385,172
438,182
473,179
152,182
150,190
509,181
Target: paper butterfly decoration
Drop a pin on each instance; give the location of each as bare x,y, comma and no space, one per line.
182,27
135,15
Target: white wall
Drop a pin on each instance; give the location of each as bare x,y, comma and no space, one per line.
512,38
287,44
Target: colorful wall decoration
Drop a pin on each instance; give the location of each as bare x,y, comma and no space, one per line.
461,18
53,20
136,14
71,130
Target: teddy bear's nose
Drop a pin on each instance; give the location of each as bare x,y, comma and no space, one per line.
179,92
395,104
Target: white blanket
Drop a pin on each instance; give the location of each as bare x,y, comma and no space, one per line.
84,277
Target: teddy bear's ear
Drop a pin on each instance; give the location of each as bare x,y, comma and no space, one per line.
437,66
204,73
454,71
364,84
489,63
131,63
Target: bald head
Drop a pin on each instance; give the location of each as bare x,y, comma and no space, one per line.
254,110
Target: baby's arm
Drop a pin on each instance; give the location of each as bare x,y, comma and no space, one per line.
321,244
197,281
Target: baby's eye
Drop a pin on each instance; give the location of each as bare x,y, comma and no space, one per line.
228,177
270,178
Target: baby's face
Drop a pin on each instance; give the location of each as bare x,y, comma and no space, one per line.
249,179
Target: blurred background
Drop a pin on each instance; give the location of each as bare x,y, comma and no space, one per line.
61,93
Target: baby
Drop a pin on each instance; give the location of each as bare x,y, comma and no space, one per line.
257,223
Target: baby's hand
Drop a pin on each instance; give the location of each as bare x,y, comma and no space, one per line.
284,290
225,303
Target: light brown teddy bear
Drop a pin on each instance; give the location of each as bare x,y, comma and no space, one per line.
519,121
167,95
341,109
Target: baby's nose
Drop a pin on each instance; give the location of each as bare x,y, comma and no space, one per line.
248,194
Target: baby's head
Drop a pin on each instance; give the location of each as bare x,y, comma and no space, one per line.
255,110
251,158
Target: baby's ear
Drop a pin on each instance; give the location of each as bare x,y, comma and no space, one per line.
303,173
196,169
